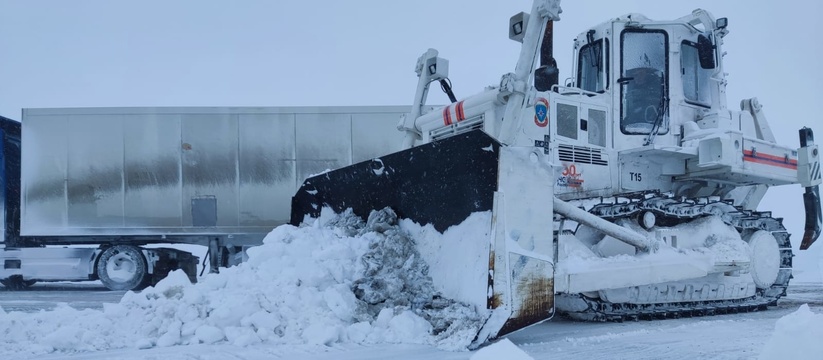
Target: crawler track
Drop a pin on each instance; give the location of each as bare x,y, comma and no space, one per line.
676,210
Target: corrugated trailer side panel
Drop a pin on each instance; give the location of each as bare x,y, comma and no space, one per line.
176,174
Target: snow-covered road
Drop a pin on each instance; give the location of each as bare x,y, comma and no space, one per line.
46,296
734,336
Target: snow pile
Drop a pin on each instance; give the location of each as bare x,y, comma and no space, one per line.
796,336
503,349
338,280
396,277
457,259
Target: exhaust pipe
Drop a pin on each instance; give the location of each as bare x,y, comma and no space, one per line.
809,174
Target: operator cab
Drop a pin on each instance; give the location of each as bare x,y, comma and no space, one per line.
662,72
635,82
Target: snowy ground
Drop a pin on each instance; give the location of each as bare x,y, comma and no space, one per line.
736,336
47,296
294,299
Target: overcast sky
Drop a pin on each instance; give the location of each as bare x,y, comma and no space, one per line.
273,53
359,52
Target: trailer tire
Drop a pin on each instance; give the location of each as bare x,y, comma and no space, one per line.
16,282
123,267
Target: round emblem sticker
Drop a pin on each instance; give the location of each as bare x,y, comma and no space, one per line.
541,112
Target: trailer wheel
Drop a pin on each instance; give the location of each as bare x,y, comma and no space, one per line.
123,267
16,282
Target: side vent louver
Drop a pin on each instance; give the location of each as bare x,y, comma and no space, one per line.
582,154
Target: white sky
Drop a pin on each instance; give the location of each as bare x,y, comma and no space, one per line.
362,52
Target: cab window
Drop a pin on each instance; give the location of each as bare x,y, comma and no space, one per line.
592,73
695,79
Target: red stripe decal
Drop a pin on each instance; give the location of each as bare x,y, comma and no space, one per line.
460,114
447,116
767,159
769,162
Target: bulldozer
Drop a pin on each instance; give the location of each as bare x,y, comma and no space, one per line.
629,192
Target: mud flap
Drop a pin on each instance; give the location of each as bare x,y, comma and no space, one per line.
442,183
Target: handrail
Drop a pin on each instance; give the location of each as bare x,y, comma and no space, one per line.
556,88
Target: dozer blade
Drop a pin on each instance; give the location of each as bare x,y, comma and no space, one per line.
509,270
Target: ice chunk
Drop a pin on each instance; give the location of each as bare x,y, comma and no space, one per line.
503,349
321,334
796,336
172,336
409,327
209,334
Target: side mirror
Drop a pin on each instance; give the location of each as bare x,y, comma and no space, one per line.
705,51
545,77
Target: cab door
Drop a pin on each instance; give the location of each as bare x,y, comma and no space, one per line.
583,141
643,84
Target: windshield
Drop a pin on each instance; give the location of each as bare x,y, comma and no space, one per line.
643,80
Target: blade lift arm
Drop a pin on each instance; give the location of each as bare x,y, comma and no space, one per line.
543,12
429,68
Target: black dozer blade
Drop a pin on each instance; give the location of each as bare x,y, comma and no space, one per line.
811,198
509,270
439,183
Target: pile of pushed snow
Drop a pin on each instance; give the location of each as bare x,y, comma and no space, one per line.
337,280
796,336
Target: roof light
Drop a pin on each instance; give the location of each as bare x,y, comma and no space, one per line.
518,28
721,23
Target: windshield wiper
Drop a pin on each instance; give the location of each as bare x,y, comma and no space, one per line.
658,121
594,53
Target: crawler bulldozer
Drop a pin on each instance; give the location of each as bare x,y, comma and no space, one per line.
630,191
